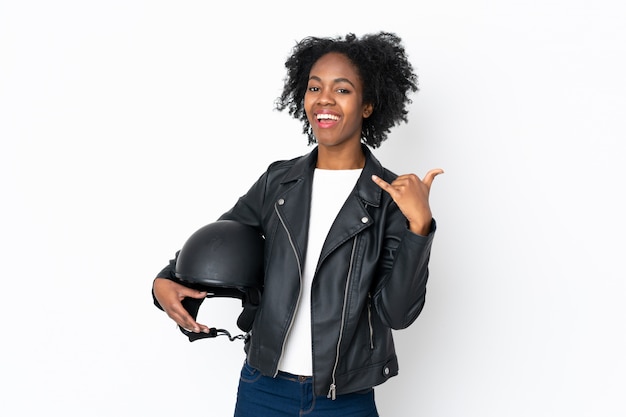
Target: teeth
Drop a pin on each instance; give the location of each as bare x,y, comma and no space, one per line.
327,117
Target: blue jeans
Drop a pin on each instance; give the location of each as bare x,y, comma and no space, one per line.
290,395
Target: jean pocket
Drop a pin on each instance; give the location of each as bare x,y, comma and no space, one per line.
249,373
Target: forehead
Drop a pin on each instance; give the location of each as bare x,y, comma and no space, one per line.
335,65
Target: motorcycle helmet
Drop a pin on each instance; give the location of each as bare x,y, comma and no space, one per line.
224,258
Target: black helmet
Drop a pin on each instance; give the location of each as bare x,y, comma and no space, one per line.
224,258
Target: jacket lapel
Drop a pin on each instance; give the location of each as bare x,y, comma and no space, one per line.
353,216
294,201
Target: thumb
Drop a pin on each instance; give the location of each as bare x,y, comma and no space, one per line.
430,176
189,292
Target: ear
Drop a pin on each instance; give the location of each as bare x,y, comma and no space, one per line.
368,109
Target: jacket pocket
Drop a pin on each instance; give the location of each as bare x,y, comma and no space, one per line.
370,326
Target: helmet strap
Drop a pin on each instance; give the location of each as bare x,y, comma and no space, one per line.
213,332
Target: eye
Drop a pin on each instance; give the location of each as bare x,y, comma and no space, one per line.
343,91
313,88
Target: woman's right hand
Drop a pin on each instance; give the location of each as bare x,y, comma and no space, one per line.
169,295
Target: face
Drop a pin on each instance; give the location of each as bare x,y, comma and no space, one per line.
334,101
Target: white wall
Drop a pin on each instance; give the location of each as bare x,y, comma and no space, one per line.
127,125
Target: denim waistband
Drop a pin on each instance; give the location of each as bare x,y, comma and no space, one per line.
293,377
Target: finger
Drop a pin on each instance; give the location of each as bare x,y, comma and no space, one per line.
189,292
163,287
430,176
184,320
382,183
195,327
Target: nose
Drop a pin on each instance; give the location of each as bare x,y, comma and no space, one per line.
325,97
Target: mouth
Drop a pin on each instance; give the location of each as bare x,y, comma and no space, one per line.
326,116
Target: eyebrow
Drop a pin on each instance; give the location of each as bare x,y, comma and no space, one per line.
335,81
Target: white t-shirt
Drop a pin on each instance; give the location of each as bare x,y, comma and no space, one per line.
330,190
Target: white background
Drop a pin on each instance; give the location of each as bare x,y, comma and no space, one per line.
127,125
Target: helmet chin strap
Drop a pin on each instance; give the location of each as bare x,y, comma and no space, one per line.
250,300
213,332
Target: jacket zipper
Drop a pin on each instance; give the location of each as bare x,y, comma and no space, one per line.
282,349
332,391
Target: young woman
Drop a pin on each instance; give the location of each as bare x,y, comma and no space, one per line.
347,242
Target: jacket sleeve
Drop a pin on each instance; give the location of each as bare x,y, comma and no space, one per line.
248,208
403,270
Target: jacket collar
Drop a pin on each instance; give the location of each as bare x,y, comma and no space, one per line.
366,189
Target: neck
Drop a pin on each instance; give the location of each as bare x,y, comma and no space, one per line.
329,158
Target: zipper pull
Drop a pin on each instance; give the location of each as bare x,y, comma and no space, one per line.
332,393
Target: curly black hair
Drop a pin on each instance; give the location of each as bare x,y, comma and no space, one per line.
385,71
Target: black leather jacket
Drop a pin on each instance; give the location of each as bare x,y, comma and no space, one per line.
371,275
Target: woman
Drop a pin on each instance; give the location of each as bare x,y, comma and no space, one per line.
347,242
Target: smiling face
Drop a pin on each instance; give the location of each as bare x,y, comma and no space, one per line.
334,102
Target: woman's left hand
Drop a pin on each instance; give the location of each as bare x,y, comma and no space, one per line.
411,195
